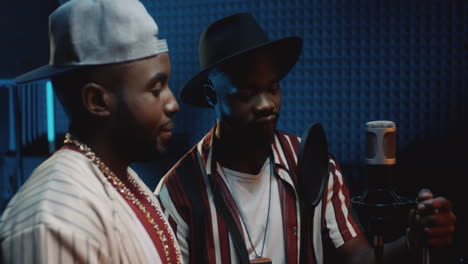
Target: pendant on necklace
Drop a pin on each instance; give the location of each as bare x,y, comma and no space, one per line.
261,261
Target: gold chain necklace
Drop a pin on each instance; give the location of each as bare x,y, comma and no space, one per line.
121,188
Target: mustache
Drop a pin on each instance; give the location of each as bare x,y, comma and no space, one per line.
266,114
169,125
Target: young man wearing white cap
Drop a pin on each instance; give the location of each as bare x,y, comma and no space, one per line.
84,204
233,197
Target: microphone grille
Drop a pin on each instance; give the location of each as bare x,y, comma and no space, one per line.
381,142
380,124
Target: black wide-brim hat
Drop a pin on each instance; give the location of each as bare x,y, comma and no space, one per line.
229,38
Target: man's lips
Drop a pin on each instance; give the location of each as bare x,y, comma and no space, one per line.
166,130
267,118
168,127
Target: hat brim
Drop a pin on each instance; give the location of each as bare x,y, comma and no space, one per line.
286,52
43,72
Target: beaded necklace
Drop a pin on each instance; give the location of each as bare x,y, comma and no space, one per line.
123,189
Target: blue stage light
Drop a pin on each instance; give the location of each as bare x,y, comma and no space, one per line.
50,116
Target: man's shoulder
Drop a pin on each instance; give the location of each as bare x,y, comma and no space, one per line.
184,176
287,142
293,143
64,160
287,134
185,166
67,168
59,188
288,137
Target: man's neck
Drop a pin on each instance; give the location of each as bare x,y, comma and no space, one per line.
110,154
237,153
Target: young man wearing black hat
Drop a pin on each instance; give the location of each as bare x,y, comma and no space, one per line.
232,198
84,204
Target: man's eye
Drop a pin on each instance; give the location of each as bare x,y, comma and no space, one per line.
157,89
244,93
275,87
156,92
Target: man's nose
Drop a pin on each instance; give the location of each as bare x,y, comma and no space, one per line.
264,103
172,105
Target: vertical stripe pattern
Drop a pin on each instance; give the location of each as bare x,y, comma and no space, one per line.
68,212
331,215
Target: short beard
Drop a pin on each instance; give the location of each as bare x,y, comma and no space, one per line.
252,137
144,152
260,139
134,145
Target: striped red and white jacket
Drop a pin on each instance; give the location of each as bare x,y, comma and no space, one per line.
202,212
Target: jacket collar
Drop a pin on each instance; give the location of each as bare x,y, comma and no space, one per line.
281,166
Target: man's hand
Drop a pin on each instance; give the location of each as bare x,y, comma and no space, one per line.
432,222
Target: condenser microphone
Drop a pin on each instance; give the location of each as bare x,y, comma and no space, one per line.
380,155
379,207
380,142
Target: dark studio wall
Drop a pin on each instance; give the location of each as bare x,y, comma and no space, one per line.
23,46
363,60
23,28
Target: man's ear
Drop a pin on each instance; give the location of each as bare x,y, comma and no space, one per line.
210,94
96,99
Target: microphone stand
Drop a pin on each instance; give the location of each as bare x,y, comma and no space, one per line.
377,227
425,256
379,205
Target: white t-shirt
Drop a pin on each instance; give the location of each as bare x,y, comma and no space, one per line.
251,193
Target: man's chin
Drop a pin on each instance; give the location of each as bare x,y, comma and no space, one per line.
260,136
264,127
146,155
